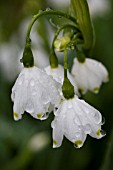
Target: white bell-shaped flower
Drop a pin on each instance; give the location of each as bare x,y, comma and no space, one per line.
58,75
89,75
74,119
34,92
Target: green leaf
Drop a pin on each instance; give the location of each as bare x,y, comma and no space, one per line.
81,12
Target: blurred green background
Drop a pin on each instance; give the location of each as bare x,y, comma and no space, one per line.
27,144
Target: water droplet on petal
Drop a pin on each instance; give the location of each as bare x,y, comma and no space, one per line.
45,98
77,134
87,111
69,105
53,124
20,82
32,83
87,128
45,116
56,108
29,108
77,121
103,133
97,117
80,127
21,79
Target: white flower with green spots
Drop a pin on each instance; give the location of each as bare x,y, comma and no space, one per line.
34,92
89,75
74,119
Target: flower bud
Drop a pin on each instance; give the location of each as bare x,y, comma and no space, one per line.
61,43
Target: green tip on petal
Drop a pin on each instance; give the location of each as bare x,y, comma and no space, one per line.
81,90
96,89
77,143
15,115
98,132
39,115
54,142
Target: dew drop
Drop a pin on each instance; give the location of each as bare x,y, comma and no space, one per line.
29,108
78,144
77,121
103,133
32,83
56,108
87,111
80,127
49,9
78,134
69,106
53,124
87,128
59,17
40,11
45,116
21,80
45,98
97,117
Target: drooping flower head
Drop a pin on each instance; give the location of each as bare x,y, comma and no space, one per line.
74,119
58,75
34,92
89,74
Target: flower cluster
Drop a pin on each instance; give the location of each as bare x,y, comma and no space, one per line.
55,89
39,91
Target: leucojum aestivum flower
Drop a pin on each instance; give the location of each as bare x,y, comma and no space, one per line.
54,89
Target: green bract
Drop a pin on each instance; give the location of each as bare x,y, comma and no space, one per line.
28,59
68,89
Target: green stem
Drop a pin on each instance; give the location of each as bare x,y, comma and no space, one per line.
67,87
65,63
49,12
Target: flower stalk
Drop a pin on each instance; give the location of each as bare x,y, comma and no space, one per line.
49,12
67,88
